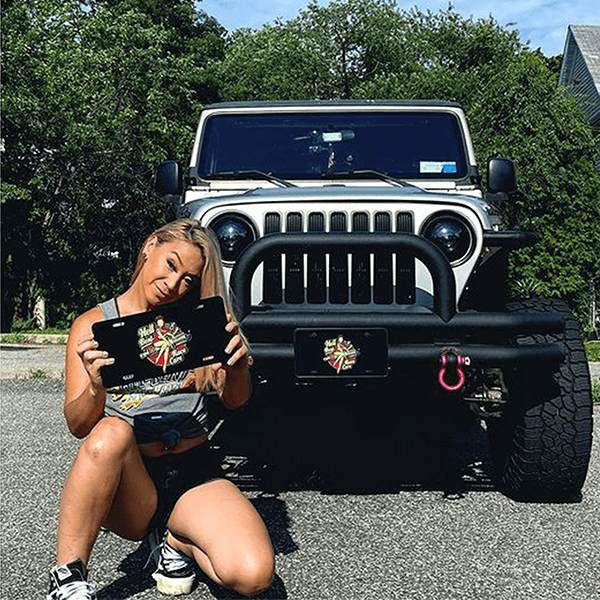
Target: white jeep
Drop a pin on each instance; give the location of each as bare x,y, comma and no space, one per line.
361,249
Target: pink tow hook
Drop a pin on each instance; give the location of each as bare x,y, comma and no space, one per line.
453,362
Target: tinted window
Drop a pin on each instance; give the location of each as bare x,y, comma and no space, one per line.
304,146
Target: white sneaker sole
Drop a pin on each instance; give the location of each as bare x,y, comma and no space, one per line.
174,586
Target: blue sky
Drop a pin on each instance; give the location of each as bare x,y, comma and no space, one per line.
541,23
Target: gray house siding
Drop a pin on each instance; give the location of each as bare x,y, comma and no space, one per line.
580,69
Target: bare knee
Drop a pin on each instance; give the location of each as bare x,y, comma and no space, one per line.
251,578
109,441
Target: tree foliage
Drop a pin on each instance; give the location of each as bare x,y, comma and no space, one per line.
325,53
96,93
527,115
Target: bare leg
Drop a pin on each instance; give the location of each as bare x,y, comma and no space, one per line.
107,485
220,528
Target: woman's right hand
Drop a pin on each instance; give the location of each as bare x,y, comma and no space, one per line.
85,394
93,359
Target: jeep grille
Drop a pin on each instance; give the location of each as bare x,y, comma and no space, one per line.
332,278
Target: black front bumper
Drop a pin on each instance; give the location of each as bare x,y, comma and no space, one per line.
415,334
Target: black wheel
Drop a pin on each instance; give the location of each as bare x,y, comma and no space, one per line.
541,445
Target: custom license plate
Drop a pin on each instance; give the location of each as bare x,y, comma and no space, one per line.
343,353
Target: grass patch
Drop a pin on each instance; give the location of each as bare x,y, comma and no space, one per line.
14,338
592,350
47,331
58,336
596,391
38,374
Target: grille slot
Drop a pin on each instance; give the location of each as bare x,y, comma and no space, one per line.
272,266
383,284
354,277
316,292
338,265
361,264
405,264
294,265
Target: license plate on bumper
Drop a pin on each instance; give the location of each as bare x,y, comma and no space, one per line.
346,353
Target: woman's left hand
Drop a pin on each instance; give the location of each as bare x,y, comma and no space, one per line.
234,372
236,349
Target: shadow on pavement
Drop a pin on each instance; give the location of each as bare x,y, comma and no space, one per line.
136,576
134,579
356,441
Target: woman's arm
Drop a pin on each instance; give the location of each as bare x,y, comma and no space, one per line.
85,395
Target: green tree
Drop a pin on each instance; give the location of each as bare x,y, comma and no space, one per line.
515,107
95,93
93,96
525,114
325,53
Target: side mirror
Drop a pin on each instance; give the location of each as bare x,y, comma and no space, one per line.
169,178
501,176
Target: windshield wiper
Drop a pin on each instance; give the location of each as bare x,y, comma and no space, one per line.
252,174
370,173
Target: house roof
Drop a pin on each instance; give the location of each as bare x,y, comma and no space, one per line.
581,65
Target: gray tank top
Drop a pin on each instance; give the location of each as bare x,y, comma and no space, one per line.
162,408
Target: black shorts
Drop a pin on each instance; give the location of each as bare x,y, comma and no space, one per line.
174,474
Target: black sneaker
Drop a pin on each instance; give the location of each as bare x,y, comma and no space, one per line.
175,573
69,582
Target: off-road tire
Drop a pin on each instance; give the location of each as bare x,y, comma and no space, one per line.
541,445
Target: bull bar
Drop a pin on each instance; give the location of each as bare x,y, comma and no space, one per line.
271,330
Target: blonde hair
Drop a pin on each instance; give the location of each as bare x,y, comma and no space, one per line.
212,280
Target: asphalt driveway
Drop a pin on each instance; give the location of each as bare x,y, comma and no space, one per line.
413,517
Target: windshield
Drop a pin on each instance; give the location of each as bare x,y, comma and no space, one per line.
405,145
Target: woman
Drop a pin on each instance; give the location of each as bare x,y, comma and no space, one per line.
132,485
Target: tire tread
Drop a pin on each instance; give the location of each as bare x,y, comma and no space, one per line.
547,434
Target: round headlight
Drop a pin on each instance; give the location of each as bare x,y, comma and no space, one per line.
234,233
452,235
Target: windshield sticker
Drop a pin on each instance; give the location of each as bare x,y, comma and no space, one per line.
437,166
333,136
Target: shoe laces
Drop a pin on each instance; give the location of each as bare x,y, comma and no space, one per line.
171,559
155,546
162,554
75,590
